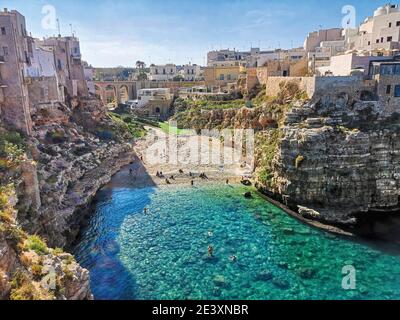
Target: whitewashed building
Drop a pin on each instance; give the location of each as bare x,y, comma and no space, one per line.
165,72
379,32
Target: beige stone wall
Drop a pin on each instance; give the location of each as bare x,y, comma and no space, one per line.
313,86
299,68
42,90
305,83
251,78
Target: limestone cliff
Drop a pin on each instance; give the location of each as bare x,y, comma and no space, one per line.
338,156
44,180
74,159
29,270
333,159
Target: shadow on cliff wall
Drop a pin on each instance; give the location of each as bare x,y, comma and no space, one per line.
97,247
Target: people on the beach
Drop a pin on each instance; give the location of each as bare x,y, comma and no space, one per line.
167,181
192,182
203,176
172,177
158,174
227,181
210,251
180,171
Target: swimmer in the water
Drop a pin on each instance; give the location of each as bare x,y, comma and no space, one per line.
233,258
210,234
210,251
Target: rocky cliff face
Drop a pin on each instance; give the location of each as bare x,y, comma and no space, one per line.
338,156
29,270
45,180
74,159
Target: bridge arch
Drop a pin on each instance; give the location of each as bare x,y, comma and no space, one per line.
111,95
123,93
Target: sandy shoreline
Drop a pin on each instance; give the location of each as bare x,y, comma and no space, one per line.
142,172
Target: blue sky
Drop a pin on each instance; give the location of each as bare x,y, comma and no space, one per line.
120,32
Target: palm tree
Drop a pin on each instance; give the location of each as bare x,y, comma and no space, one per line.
140,64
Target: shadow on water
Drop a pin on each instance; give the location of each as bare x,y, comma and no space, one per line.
97,248
380,231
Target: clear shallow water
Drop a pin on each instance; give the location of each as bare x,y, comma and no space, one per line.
163,254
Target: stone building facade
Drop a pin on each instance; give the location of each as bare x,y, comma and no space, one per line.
16,53
35,72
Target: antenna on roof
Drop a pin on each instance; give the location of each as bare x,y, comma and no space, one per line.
58,27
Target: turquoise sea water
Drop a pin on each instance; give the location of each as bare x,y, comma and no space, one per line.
163,254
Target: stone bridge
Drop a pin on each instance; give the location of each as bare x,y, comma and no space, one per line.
122,91
116,91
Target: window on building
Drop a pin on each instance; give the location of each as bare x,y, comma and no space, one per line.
390,24
163,71
389,39
382,40
5,51
3,31
59,65
156,71
377,40
369,43
398,24
397,91
222,77
388,89
229,77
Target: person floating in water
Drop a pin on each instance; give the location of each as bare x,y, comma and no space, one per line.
130,171
210,251
233,258
145,211
210,234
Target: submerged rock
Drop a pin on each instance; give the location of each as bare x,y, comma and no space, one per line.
307,273
221,282
248,195
281,283
264,276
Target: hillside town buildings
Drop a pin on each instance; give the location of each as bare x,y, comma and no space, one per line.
165,72
380,32
39,72
35,72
